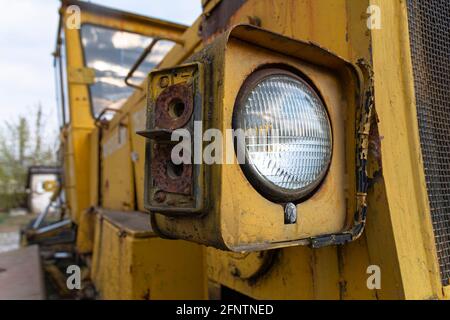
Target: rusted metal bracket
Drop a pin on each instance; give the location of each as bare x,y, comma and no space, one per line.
173,103
156,134
364,118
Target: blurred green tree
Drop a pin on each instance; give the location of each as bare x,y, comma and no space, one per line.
23,143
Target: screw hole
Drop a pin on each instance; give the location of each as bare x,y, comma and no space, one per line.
174,171
176,108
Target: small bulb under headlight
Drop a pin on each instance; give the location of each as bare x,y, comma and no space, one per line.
288,141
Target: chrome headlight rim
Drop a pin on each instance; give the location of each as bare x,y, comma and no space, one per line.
259,182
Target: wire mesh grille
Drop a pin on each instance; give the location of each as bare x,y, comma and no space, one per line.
429,29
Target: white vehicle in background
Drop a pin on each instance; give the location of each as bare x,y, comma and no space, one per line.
42,183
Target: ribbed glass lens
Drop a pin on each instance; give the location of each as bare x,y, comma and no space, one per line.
287,132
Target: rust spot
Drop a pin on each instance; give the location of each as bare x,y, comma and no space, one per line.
168,176
254,20
164,81
160,197
219,18
235,272
374,164
174,107
375,141
146,295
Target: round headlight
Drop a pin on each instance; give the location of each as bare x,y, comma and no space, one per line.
288,140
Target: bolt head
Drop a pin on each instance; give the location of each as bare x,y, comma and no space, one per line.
290,213
164,82
159,196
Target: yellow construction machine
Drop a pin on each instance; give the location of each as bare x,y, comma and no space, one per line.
313,138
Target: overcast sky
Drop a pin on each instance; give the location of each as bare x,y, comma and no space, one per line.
27,38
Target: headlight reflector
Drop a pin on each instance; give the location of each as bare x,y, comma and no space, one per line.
288,142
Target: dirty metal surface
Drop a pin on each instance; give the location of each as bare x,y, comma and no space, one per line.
430,50
167,179
174,102
218,19
21,276
134,223
166,116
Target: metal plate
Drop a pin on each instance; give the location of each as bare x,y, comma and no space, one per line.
21,275
175,101
429,30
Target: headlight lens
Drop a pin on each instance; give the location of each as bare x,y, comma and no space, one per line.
288,141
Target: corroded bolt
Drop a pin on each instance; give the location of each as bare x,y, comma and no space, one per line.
164,82
159,196
235,272
254,20
290,213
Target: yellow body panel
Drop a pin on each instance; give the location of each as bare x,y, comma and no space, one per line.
127,266
117,173
402,164
86,232
137,123
77,147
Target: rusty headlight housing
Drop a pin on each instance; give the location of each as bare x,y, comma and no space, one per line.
253,78
288,141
